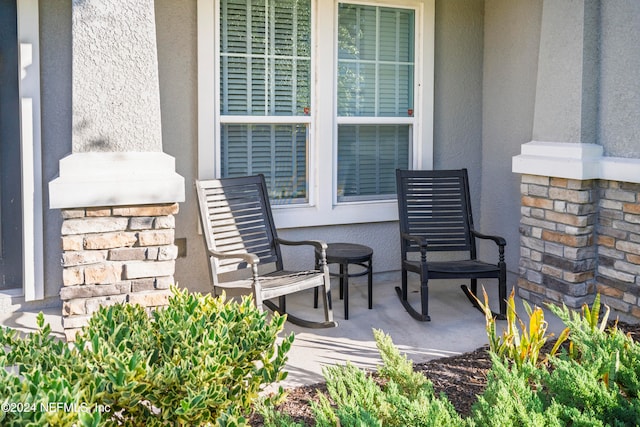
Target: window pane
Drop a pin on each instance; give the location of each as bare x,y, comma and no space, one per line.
368,156
265,70
375,61
266,43
279,151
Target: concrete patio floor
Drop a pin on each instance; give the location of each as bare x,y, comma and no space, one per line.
455,327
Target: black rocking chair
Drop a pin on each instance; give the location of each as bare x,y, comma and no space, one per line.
435,216
240,235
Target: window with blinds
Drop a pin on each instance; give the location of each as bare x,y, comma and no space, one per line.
375,98
265,93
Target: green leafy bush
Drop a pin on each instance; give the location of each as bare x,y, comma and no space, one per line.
202,362
593,383
199,361
600,373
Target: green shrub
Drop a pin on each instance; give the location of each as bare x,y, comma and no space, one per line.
272,417
615,356
202,361
406,398
592,383
510,399
410,394
519,343
323,413
600,373
356,395
399,369
354,398
578,388
198,361
402,397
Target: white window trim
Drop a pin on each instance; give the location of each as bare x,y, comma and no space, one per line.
322,208
31,150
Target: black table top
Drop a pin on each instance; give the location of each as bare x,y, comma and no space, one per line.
348,252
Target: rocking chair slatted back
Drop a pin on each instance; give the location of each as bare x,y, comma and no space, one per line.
437,206
238,221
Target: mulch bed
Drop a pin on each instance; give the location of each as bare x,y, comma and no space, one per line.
462,378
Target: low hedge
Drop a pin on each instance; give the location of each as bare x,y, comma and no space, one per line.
199,361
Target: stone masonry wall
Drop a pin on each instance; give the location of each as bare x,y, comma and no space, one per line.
114,255
557,245
618,274
579,238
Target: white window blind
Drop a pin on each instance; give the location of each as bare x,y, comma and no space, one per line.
265,77
375,80
278,151
368,156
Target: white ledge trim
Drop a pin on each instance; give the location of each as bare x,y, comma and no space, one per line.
574,161
116,179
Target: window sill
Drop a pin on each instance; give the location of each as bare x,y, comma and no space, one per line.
347,213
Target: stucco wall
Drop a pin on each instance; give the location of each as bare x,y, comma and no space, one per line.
619,88
457,130
56,84
55,63
457,127
115,77
177,62
485,80
511,39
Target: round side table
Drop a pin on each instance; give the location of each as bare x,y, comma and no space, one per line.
345,254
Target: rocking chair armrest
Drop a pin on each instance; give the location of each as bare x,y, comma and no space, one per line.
250,259
500,241
419,240
318,244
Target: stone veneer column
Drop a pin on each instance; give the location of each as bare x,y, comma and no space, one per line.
558,192
618,273
580,210
115,255
117,190
557,253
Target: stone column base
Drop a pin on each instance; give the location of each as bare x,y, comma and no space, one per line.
580,226
557,244
114,255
